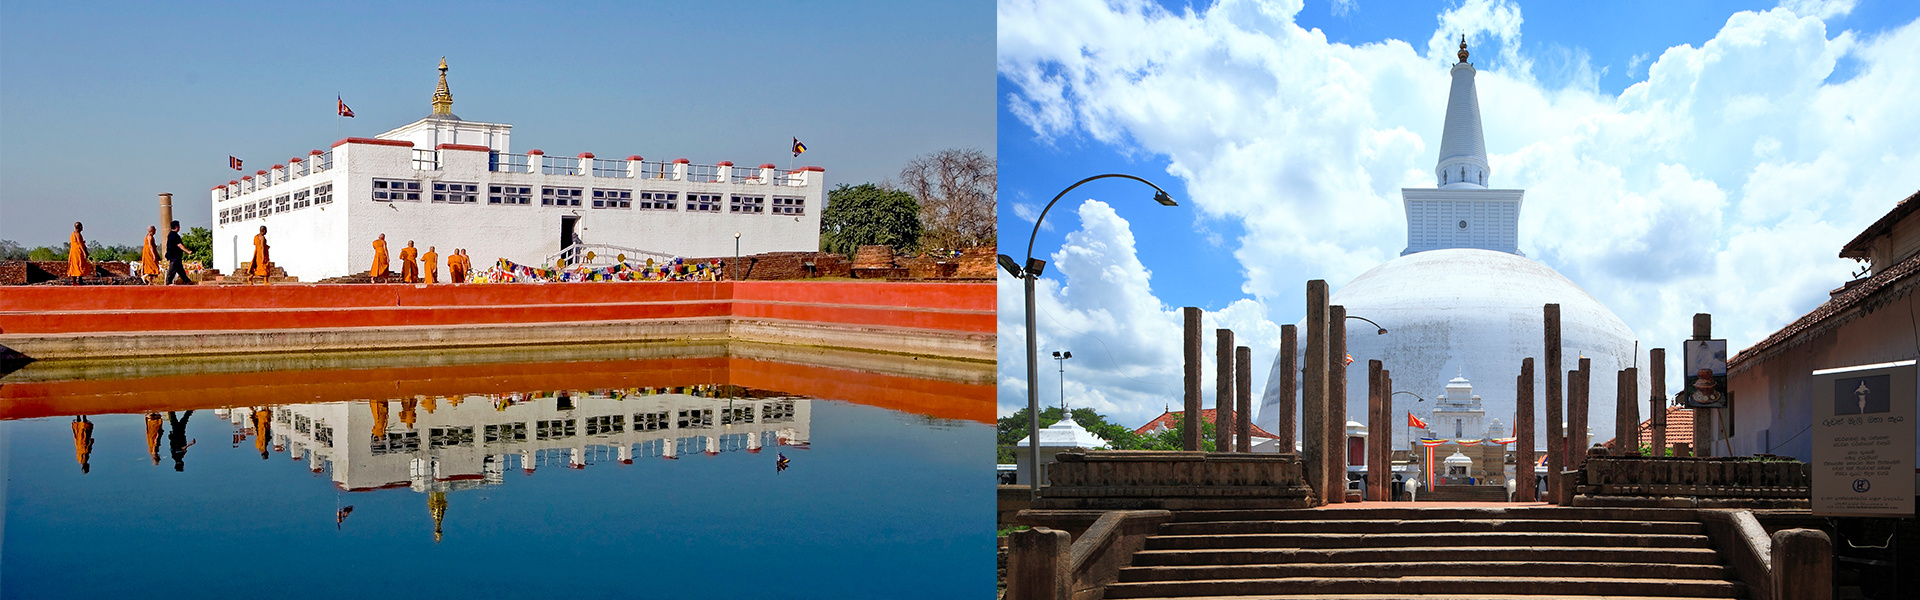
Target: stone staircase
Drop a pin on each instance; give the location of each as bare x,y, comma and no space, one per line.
1432,554
1464,493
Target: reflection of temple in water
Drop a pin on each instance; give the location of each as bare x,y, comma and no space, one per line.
448,443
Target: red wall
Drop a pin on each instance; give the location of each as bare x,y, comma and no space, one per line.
963,307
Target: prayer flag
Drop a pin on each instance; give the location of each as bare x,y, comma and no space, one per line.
1413,421
344,111
235,163
1349,359
798,148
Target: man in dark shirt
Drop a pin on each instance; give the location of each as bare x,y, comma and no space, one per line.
176,255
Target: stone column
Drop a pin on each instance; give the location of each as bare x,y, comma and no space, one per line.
1376,425
1802,564
1657,401
1313,393
1289,388
1523,458
1556,442
1039,565
1626,423
1243,399
1190,423
1337,403
166,217
1223,390
1702,417
1386,433
1579,411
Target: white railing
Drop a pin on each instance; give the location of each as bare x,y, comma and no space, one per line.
426,160
499,162
745,175
559,165
656,170
703,173
604,254
323,161
791,179
609,168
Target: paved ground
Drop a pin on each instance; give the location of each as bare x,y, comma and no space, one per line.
1432,505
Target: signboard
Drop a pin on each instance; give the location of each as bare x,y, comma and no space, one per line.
1706,374
1863,434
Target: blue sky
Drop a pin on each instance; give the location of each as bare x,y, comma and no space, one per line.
1287,129
104,105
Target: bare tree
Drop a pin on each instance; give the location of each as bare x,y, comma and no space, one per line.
955,188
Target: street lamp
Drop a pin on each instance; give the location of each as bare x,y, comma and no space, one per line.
1383,330
1410,417
1060,357
1029,271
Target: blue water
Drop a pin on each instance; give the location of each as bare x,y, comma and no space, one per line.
881,504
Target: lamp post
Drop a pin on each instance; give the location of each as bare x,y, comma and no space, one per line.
1060,357
1410,419
1382,330
1029,271
735,275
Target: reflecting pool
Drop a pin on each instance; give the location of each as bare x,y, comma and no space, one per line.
599,472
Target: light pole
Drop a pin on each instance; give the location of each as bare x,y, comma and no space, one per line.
735,275
1410,418
1060,357
1382,330
1029,271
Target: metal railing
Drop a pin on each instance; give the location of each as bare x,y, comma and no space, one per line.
559,165
604,254
703,173
791,179
426,160
499,162
609,168
656,170
745,175
323,161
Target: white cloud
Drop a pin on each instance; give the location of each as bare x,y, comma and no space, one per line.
1724,182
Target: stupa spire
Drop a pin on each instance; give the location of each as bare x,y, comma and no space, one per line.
1463,149
443,99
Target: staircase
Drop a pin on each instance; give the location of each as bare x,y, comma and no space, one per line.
1463,493
1430,553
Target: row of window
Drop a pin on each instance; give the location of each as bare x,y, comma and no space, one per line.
319,194
399,190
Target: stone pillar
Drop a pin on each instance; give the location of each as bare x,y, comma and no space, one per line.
1702,417
1289,388
1243,399
1523,458
1657,401
1556,443
1337,403
1385,435
1376,425
1579,411
1223,390
1802,564
166,217
1190,421
1626,423
1313,393
1038,565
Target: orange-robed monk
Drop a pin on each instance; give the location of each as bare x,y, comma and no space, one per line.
430,264
149,264
261,266
77,265
379,257
153,436
409,270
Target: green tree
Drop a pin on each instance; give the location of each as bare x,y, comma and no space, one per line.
1013,428
868,214
199,242
12,250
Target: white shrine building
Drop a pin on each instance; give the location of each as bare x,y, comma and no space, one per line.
451,183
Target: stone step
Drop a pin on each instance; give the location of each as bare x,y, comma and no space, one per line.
1617,570
1410,586
1430,597
1432,526
1463,493
1415,540
1448,552
1412,511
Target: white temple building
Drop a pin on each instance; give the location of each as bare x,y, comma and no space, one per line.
452,183
1462,301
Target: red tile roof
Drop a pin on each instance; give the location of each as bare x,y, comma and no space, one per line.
1679,428
1851,300
1165,420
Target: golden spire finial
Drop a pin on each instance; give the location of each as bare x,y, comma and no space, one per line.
443,99
1463,58
437,506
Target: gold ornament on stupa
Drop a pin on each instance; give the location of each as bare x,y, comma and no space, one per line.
443,63
443,99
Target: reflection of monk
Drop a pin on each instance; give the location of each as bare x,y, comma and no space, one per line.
177,441
379,419
154,424
262,430
379,257
149,264
77,265
409,270
406,411
429,404
430,264
82,442
261,264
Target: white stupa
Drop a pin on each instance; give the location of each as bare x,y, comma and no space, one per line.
1462,301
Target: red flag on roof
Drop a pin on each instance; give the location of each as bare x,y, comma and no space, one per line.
1413,421
344,111
234,162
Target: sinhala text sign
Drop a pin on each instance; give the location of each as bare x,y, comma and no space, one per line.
1863,433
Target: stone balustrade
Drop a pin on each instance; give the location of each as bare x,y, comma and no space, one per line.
1701,478
1121,480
